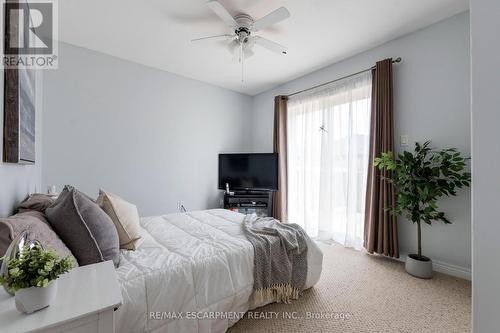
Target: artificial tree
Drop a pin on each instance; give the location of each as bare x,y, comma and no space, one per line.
420,179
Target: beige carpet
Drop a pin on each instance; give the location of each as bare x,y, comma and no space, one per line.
363,293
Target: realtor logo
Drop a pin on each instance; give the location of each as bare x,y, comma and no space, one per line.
30,34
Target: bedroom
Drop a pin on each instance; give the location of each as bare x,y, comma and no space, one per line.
136,108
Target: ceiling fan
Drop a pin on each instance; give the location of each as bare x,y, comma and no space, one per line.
242,41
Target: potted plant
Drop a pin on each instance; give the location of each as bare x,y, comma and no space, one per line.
33,277
420,179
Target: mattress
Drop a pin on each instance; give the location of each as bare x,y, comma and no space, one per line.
193,272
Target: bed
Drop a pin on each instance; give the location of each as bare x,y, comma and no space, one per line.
193,272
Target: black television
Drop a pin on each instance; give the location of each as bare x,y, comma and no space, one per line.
251,172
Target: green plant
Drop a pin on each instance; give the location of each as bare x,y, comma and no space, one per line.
35,267
420,179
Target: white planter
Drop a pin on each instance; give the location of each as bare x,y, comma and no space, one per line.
29,300
421,268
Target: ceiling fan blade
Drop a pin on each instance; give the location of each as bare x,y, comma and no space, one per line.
212,37
274,17
222,13
270,45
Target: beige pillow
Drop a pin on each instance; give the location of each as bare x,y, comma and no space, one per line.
125,217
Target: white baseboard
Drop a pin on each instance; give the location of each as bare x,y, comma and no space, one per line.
446,268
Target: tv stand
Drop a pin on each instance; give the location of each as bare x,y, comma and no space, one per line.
248,202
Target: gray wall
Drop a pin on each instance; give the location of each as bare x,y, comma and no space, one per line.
147,135
485,53
17,181
431,102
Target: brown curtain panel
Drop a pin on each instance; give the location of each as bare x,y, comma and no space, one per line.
381,232
279,144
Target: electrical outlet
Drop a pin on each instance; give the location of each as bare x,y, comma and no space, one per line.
403,140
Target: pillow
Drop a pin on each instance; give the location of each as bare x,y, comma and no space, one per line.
84,227
37,201
125,217
38,228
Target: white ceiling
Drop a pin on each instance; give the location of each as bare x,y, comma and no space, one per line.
157,33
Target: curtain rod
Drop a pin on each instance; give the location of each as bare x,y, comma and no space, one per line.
397,60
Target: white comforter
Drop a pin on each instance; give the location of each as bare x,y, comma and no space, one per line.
191,266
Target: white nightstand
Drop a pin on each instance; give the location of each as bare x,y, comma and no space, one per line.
86,299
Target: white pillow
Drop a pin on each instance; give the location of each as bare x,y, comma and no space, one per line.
125,217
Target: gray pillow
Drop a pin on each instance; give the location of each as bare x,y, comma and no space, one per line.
84,227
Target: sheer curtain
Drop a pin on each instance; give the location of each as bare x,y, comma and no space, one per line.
328,141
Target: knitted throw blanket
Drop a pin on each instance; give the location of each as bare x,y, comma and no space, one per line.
280,259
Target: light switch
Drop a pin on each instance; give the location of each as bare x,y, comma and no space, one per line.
403,139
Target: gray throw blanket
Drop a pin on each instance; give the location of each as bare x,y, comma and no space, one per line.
280,259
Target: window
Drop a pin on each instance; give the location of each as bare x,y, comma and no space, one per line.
328,142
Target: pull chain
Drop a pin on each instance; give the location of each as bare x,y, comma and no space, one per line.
242,60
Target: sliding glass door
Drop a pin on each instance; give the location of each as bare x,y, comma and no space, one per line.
328,140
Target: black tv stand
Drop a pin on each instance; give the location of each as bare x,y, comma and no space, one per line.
248,202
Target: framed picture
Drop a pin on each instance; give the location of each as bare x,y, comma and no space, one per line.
19,102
